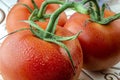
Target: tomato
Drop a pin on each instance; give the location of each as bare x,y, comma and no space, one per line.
20,12
100,43
24,56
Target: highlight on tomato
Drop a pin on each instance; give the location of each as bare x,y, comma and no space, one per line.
100,37
25,8
41,50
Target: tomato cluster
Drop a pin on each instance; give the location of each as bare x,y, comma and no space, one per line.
43,45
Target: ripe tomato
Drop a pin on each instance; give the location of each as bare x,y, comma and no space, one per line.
100,43
20,12
23,56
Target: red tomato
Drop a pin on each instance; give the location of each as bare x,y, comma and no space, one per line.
23,56
100,43
20,12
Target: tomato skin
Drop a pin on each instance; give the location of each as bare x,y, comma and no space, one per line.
18,13
100,43
30,58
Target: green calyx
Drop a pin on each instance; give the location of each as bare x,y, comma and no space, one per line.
39,32
97,13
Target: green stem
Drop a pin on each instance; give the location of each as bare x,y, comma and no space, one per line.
51,27
45,3
79,7
34,4
29,9
96,10
22,29
32,14
109,19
